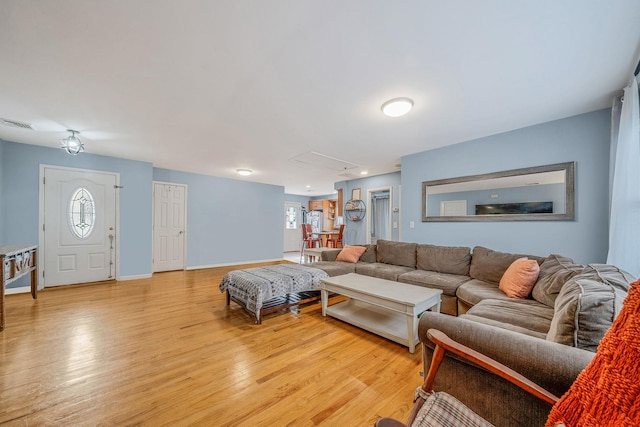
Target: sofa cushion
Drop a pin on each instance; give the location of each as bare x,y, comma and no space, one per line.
474,291
448,283
525,316
334,268
555,271
351,253
489,265
587,305
444,259
369,255
519,278
381,270
396,253
329,255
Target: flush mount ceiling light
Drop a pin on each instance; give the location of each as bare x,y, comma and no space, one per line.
397,107
72,143
244,172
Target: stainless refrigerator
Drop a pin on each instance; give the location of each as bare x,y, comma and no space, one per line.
315,219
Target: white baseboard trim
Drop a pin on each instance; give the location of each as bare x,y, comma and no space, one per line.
134,277
224,264
18,290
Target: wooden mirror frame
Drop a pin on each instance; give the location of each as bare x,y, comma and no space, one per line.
569,211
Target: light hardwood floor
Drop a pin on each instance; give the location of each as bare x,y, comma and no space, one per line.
169,351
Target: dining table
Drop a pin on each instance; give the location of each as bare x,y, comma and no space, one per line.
325,235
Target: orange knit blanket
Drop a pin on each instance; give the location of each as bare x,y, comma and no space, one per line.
607,391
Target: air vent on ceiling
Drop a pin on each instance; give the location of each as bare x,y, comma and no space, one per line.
322,160
346,174
17,124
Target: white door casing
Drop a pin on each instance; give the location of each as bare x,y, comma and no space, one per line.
369,219
292,230
169,228
79,247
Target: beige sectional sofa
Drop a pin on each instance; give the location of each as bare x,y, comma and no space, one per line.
549,336
439,267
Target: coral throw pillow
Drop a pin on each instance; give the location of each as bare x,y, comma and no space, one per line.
351,253
518,280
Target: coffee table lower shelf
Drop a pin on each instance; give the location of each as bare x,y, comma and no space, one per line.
378,320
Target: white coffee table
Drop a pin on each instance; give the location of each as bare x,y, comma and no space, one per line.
383,307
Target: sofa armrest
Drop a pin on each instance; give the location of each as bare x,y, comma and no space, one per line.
551,365
329,255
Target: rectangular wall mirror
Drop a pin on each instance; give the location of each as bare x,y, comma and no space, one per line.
541,193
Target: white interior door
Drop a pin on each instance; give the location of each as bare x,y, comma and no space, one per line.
79,226
169,209
292,231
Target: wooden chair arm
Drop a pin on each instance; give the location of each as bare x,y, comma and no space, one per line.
441,340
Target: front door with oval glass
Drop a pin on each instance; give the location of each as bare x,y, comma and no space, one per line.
79,226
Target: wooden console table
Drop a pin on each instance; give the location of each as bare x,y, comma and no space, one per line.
17,261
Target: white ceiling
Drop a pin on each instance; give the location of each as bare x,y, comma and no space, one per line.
210,86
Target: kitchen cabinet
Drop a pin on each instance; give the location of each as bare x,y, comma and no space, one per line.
315,205
328,214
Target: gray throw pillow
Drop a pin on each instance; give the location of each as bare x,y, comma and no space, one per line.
587,305
444,259
555,271
369,255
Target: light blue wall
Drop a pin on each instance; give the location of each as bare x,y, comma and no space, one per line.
355,231
21,169
229,221
583,139
303,200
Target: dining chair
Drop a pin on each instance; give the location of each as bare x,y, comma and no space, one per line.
308,239
605,393
333,242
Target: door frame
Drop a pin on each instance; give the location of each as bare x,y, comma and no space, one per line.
298,224
153,222
41,253
369,211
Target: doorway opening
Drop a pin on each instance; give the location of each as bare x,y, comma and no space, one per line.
379,214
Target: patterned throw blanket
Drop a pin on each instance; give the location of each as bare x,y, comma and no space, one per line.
253,286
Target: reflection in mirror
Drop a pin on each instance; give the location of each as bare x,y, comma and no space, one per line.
529,194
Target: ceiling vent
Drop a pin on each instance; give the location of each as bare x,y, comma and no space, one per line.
346,174
323,161
17,124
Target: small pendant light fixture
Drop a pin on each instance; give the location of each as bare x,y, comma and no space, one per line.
72,143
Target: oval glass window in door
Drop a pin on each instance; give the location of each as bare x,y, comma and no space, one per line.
82,213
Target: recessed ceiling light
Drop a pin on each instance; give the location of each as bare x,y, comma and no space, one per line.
364,173
397,107
308,186
244,172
